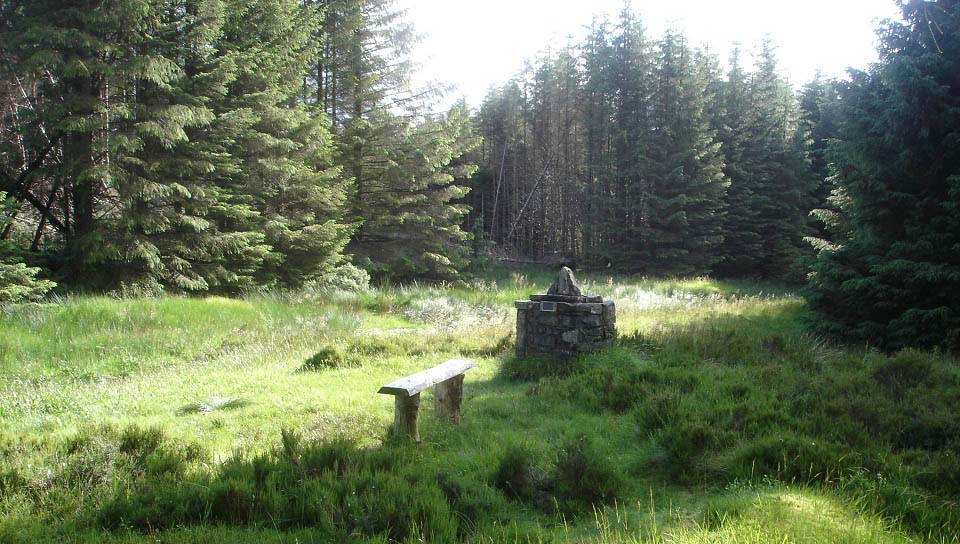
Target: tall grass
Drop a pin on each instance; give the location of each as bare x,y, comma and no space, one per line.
715,418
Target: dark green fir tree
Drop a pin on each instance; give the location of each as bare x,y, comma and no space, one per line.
402,161
890,274
682,231
771,187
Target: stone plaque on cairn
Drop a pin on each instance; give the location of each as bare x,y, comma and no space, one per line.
564,321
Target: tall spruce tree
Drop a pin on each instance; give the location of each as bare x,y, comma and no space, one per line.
165,232
742,230
598,106
505,159
168,145
890,275
413,228
786,194
771,187
682,231
284,154
401,160
820,104
677,169
630,187
83,62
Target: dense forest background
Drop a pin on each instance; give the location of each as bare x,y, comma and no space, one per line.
212,145
206,145
641,154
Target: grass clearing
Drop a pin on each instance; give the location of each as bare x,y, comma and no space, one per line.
715,418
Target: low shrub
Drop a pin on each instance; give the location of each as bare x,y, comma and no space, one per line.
139,441
334,488
584,476
11,481
535,367
346,277
503,345
338,457
581,477
656,410
329,357
681,449
614,385
936,518
939,472
516,475
792,459
905,370
470,502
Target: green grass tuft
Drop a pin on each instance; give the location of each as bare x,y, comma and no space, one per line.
214,404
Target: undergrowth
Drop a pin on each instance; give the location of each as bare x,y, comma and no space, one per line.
715,417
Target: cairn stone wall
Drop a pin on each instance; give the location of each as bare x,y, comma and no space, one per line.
568,329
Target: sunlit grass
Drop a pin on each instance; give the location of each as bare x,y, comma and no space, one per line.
226,376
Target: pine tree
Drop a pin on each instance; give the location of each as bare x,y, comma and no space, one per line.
284,170
630,186
400,159
771,187
683,229
18,282
890,276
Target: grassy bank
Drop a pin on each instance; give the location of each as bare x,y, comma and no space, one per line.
715,418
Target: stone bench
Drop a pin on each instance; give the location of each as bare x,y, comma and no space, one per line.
448,395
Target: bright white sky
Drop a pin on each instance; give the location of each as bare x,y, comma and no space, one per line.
475,44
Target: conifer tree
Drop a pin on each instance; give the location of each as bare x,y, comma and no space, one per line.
771,187
598,107
166,232
820,105
503,157
401,160
630,187
284,155
18,281
682,233
175,155
96,52
890,275
415,231
742,231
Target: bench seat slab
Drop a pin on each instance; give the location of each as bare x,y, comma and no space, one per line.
414,384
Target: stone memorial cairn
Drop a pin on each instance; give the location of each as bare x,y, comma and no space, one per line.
564,321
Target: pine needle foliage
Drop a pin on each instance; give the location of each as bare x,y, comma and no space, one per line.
888,273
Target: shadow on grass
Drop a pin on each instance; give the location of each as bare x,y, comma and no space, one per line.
721,402
747,399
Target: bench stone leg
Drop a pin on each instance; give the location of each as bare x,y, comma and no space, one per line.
448,397
406,416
